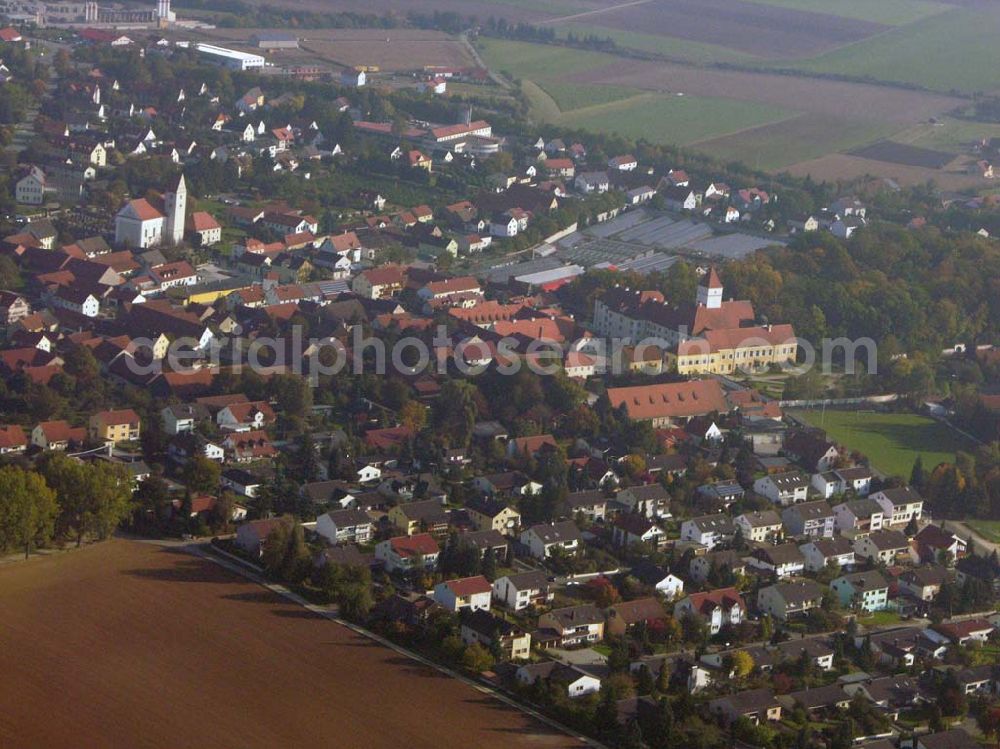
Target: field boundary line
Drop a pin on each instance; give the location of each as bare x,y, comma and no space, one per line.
198,550
597,12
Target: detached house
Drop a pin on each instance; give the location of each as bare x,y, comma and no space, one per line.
404,553
520,590
345,526
842,480
115,426
859,516
862,591
811,450
495,634
467,593
820,553
785,600
783,489
570,626
543,539
932,544
717,608
900,505
57,435
882,546
490,514
784,560
756,705
624,617
708,530
813,519
760,526
633,528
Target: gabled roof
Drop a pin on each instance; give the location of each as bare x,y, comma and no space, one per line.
468,586
419,543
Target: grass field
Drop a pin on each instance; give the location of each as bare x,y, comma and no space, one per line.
539,62
889,12
949,135
673,119
988,529
956,50
892,442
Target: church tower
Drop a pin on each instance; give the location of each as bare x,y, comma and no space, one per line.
710,290
176,205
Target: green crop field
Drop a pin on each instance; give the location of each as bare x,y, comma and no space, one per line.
673,119
539,61
892,442
889,12
956,50
544,71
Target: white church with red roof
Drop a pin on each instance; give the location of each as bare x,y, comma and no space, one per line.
143,223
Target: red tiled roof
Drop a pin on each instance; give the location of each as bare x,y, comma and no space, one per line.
12,436
670,400
121,416
468,586
144,210
419,543
705,603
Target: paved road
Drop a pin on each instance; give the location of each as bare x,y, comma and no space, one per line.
963,529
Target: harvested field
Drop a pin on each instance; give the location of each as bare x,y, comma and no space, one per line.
839,98
388,49
891,12
125,644
844,167
901,153
761,30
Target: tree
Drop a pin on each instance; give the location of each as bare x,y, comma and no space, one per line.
202,475
413,416
28,509
917,477
477,659
742,664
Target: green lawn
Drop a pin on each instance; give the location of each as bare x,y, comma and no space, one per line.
880,619
988,529
891,441
949,135
571,96
953,50
889,12
677,120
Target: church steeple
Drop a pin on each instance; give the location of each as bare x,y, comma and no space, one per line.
710,290
176,205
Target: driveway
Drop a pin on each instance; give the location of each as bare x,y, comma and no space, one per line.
582,657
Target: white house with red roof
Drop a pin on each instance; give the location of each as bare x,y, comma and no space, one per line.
403,553
716,608
203,227
57,435
471,593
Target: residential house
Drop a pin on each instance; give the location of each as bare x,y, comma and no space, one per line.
821,553
966,631
702,566
592,505
576,681
633,528
709,530
923,583
881,546
783,560
859,516
624,617
427,515
842,480
812,519
756,705
495,634
467,593
245,416
404,553
183,417
651,500
492,514
862,591
662,581
545,538
811,450
115,426
934,544
785,600
522,589
761,526
57,435
723,607
900,505
345,526
251,536
12,439
783,489
572,625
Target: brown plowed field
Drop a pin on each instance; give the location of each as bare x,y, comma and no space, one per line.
124,644
762,30
844,167
840,98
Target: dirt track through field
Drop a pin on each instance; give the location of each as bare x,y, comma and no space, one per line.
125,644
